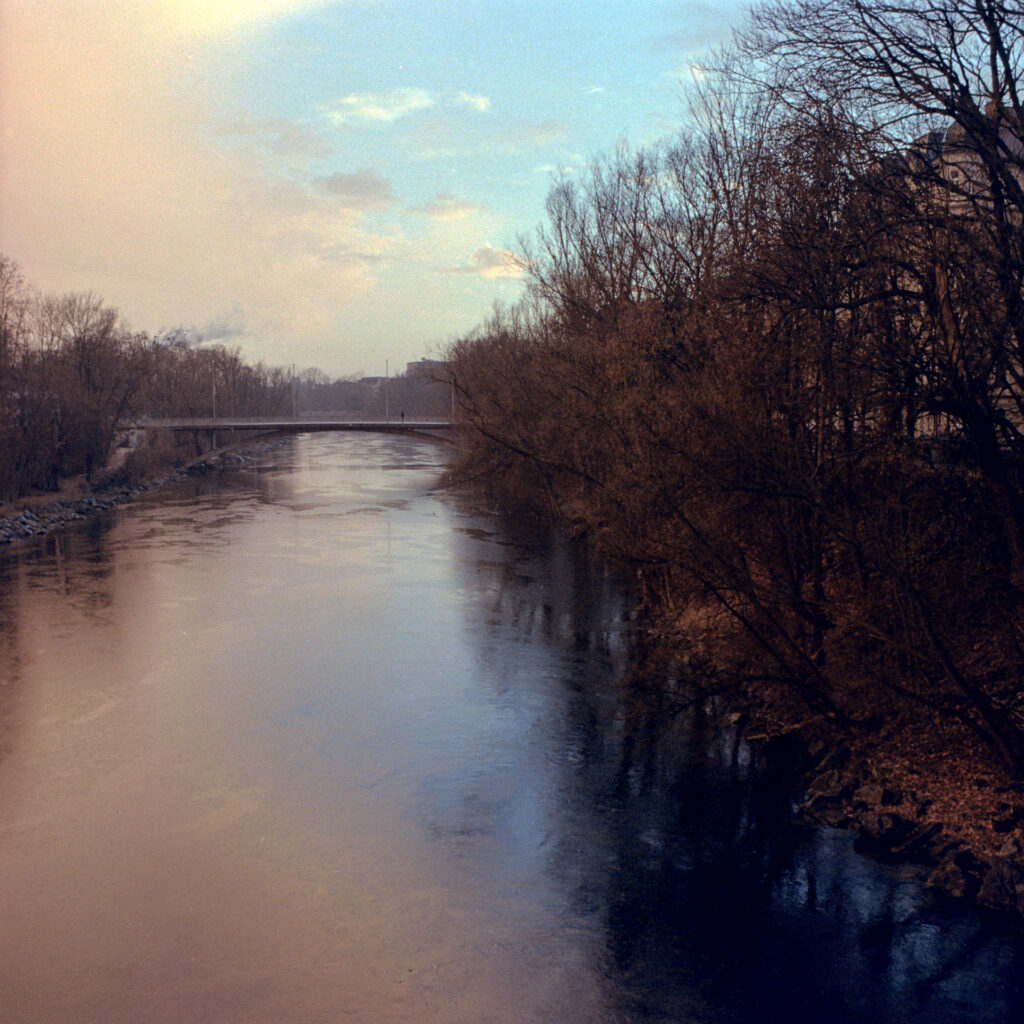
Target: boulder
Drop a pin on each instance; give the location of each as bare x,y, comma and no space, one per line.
833,783
874,794
950,879
924,845
827,809
1002,888
882,831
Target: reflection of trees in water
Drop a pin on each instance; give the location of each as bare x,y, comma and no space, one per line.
676,843
41,583
75,564
558,598
10,655
272,487
260,480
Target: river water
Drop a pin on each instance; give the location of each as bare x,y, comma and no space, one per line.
317,742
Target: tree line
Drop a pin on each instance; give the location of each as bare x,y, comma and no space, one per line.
71,370
777,365
421,392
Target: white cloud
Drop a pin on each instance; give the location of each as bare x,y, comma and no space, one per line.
363,190
490,262
445,206
378,107
344,254
223,327
394,104
479,103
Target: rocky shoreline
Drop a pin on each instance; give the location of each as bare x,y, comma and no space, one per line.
974,855
37,519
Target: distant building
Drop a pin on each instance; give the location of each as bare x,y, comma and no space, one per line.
958,159
957,168
434,369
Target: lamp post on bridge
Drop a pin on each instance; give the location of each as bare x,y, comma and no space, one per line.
387,401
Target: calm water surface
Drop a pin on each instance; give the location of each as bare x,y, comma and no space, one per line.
314,742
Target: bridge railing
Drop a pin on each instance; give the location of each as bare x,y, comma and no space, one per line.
300,424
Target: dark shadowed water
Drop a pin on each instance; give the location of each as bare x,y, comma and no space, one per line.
314,742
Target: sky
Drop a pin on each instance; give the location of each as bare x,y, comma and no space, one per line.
329,183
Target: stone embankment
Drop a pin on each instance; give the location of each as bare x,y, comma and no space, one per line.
40,518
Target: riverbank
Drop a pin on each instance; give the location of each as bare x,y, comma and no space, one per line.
924,791
39,514
44,513
914,784
913,787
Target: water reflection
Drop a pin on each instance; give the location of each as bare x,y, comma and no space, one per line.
59,571
678,846
10,658
313,742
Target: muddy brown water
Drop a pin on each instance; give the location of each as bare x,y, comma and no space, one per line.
317,742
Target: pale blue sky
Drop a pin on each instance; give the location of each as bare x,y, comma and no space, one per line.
324,183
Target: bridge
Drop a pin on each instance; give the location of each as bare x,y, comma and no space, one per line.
291,424
252,427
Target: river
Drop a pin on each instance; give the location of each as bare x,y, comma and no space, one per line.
315,741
